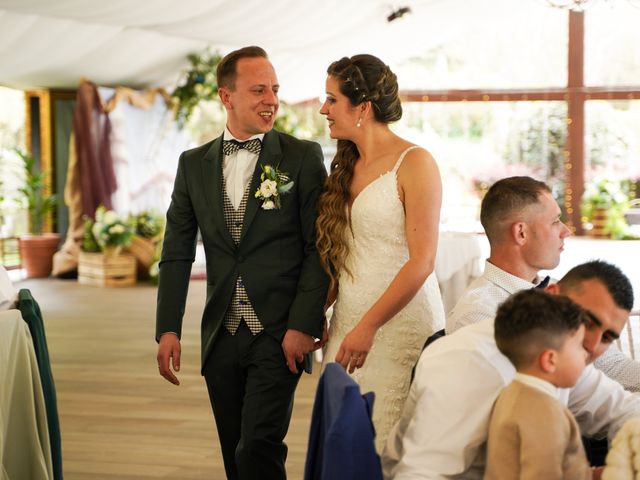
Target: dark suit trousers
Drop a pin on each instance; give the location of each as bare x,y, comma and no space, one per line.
251,392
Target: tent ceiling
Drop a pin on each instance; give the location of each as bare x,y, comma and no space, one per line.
53,44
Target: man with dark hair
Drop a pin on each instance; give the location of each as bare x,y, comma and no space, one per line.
443,429
542,335
252,193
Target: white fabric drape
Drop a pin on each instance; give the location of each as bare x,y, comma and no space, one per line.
145,146
123,42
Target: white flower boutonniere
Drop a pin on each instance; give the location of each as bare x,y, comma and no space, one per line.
274,184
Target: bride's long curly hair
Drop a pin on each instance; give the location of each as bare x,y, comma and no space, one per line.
362,78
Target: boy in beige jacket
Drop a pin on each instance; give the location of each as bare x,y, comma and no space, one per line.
532,435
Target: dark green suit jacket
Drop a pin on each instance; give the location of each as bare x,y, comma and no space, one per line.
276,255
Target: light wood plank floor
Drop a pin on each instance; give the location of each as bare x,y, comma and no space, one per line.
119,418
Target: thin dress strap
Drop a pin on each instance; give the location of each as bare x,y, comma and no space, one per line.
402,155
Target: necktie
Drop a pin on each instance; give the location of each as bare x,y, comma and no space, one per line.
544,282
229,147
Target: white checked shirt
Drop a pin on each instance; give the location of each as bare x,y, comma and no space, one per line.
238,169
483,297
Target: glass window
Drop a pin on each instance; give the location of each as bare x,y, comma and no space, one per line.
612,140
612,44
477,143
12,119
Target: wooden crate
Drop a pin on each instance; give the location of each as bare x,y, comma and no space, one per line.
107,271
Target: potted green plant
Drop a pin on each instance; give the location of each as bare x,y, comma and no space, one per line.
603,206
37,247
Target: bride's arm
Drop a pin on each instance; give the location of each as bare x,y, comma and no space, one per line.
421,190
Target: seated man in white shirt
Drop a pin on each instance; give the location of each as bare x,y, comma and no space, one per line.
523,226
443,429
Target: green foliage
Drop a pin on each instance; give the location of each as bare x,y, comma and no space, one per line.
148,224
199,84
611,196
34,192
89,243
301,121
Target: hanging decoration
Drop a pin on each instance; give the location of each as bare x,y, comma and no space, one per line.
199,84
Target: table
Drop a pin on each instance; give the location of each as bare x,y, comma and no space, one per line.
24,436
459,260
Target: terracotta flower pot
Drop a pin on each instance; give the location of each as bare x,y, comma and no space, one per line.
36,252
599,222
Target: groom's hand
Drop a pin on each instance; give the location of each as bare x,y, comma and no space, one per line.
169,348
295,345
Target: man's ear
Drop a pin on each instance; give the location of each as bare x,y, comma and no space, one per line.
519,232
552,288
548,360
225,97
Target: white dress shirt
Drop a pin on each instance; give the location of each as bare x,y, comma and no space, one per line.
238,168
483,297
443,430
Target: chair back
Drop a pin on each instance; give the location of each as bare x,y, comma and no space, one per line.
630,335
341,438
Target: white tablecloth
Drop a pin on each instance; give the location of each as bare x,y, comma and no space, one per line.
25,452
623,253
460,259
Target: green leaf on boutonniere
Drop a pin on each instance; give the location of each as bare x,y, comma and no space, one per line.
274,183
285,188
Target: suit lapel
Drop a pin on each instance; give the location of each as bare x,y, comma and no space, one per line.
270,154
213,186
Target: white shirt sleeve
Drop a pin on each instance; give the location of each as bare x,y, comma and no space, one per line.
600,404
443,429
619,367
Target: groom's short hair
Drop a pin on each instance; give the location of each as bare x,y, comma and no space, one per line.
506,198
226,70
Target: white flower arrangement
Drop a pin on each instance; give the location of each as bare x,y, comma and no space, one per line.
108,230
274,184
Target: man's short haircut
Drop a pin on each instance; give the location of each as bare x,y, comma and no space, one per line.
616,282
505,198
532,321
226,70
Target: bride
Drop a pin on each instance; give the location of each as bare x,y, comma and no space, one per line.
377,237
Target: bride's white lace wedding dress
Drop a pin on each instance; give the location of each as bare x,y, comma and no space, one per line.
377,250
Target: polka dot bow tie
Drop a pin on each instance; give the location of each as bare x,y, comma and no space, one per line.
229,147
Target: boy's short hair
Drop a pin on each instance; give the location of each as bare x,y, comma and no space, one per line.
531,321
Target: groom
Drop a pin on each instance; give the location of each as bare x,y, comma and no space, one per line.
265,286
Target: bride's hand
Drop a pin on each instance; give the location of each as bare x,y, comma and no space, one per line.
355,347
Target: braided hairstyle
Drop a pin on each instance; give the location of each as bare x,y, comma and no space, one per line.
362,78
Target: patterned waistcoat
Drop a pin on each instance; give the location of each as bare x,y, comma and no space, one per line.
240,307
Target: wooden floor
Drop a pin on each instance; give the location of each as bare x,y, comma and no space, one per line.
119,418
